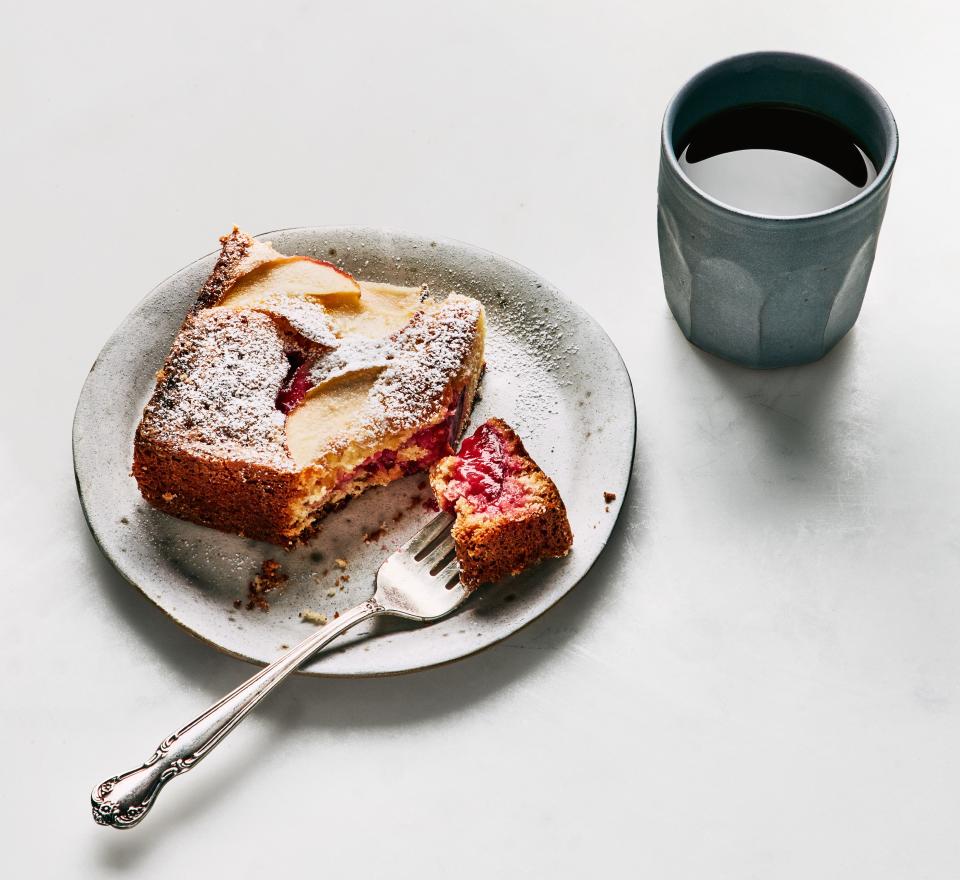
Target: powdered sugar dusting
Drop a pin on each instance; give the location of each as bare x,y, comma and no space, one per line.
217,390
426,355
350,355
304,317
421,366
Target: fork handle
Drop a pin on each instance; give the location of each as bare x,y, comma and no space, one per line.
122,801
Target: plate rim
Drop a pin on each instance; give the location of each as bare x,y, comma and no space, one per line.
353,229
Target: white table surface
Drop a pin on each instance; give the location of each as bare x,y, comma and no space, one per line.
760,678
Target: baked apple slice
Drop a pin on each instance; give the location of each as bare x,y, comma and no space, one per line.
305,277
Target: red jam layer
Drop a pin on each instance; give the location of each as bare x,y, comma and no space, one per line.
297,383
481,467
436,441
482,475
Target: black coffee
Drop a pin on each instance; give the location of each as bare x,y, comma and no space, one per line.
775,159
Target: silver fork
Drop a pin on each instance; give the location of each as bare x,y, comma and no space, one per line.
419,581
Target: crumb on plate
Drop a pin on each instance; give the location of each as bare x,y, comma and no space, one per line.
271,577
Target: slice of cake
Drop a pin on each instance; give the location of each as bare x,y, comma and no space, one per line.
509,512
292,387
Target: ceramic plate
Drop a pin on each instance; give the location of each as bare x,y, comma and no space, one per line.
552,373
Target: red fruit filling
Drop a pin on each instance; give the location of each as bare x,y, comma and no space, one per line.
435,442
482,474
480,466
297,383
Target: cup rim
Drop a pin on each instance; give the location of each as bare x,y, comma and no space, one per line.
869,92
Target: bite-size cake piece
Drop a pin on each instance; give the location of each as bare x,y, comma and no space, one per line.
509,512
292,386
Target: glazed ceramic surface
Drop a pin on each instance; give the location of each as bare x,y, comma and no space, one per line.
552,373
767,291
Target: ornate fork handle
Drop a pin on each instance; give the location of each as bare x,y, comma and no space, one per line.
122,801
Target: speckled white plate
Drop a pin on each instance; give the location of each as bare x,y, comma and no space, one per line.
552,373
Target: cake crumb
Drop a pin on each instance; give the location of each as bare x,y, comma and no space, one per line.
340,563
314,617
271,577
375,535
609,496
168,496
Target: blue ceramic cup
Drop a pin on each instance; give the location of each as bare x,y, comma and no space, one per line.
763,290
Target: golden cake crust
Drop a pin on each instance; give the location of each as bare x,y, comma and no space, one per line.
240,253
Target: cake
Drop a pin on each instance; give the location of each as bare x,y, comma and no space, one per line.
292,386
509,514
